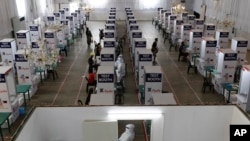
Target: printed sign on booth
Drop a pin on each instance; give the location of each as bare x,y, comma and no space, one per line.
230,57
5,45
105,78
153,77
107,57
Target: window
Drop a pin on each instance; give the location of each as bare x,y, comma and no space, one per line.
21,7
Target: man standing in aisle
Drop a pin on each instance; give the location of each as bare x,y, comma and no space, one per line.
154,50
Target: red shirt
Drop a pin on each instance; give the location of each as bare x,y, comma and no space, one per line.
91,78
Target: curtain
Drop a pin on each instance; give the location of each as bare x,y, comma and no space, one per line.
8,10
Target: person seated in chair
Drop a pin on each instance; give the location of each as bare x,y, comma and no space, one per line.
92,63
182,52
101,34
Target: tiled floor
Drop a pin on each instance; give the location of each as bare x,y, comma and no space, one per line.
70,86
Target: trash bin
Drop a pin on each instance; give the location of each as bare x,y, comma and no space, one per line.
21,110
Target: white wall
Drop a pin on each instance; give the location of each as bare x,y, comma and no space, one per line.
198,123
189,123
32,130
6,36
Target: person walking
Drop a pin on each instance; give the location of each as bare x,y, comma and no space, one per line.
154,50
89,37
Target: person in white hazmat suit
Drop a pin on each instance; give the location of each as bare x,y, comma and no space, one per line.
128,134
120,68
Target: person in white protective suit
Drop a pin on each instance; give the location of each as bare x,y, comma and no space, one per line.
120,70
128,134
118,60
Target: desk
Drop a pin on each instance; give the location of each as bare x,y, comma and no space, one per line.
3,117
40,70
23,89
230,87
208,71
193,58
192,62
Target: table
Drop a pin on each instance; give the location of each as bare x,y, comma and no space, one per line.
208,71
230,87
40,70
23,89
3,117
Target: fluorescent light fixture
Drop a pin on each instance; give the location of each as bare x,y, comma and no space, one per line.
129,116
134,114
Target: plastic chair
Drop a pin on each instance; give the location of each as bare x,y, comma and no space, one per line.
207,83
190,65
51,69
119,98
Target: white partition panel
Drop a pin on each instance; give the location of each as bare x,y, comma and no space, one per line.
169,123
91,127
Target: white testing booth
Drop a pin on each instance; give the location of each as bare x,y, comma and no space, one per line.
26,71
134,34
62,12
144,58
239,45
152,82
207,54
129,22
67,27
9,101
105,80
195,38
185,32
191,19
165,18
133,27
8,49
71,22
243,96
35,32
199,24
138,43
202,123
108,57
110,21
171,19
51,20
111,17
58,16
109,34
109,43
222,38
225,68
22,39
209,30
177,27
110,27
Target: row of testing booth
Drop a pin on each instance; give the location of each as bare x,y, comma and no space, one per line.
221,60
149,77
32,55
